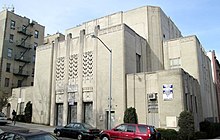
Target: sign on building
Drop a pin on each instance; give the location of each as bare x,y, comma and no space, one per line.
167,92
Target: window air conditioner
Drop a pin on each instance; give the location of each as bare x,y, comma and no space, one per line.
152,96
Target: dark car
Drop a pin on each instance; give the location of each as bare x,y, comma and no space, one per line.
3,119
26,135
130,132
78,130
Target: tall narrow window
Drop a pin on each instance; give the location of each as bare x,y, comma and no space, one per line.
12,25
11,38
36,34
8,66
9,52
138,63
6,82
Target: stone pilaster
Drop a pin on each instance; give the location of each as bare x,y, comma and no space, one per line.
80,81
66,81
53,83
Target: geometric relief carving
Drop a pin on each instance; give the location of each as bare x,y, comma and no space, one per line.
59,86
60,69
88,62
73,67
59,98
87,96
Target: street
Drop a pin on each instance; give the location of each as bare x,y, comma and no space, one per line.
25,126
46,128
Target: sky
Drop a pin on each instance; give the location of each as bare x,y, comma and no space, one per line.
192,17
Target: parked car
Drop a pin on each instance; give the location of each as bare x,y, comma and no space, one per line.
26,135
130,132
3,119
77,130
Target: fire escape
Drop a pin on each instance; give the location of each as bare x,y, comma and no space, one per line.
24,52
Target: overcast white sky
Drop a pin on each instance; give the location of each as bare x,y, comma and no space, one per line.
192,17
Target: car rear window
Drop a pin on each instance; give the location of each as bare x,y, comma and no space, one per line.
131,128
142,129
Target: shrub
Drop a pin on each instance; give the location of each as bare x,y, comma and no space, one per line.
186,124
168,134
200,135
130,115
211,129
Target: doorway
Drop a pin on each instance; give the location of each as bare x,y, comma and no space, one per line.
59,114
72,113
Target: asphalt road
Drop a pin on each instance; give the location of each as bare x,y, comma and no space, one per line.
17,126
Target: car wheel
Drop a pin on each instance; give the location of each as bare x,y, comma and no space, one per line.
104,138
58,133
79,137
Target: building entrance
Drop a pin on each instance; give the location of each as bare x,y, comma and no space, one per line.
72,113
88,113
59,114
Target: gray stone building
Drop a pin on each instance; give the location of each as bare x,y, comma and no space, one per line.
19,37
187,53
72,84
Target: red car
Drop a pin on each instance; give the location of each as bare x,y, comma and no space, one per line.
130,132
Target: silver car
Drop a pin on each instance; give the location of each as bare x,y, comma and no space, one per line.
3,119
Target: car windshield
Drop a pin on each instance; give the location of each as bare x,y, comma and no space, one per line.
87,126
42,137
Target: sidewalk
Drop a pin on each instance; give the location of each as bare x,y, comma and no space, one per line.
34,126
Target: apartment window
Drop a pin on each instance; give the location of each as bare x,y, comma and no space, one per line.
8,66
36,34
175,62
6,82
35,45
11,38
12,24
138,63
20,69
24,28
9,52
19,83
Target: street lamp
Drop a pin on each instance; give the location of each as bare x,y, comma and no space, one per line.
110,79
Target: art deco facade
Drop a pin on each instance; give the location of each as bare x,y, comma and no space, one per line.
72,84
19,37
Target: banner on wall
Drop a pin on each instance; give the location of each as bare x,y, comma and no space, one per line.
167,91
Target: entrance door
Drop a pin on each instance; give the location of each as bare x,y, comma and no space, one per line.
88,113
72,113
59,120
